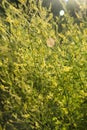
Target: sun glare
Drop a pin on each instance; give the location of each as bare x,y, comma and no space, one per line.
61,12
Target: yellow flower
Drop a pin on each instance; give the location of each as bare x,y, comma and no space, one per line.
67,68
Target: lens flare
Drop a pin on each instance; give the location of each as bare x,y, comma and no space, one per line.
61,12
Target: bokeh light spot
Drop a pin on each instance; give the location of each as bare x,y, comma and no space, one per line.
61,12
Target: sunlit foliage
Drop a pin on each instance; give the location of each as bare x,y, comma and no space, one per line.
43,71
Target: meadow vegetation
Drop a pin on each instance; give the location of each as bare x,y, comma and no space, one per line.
43,69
